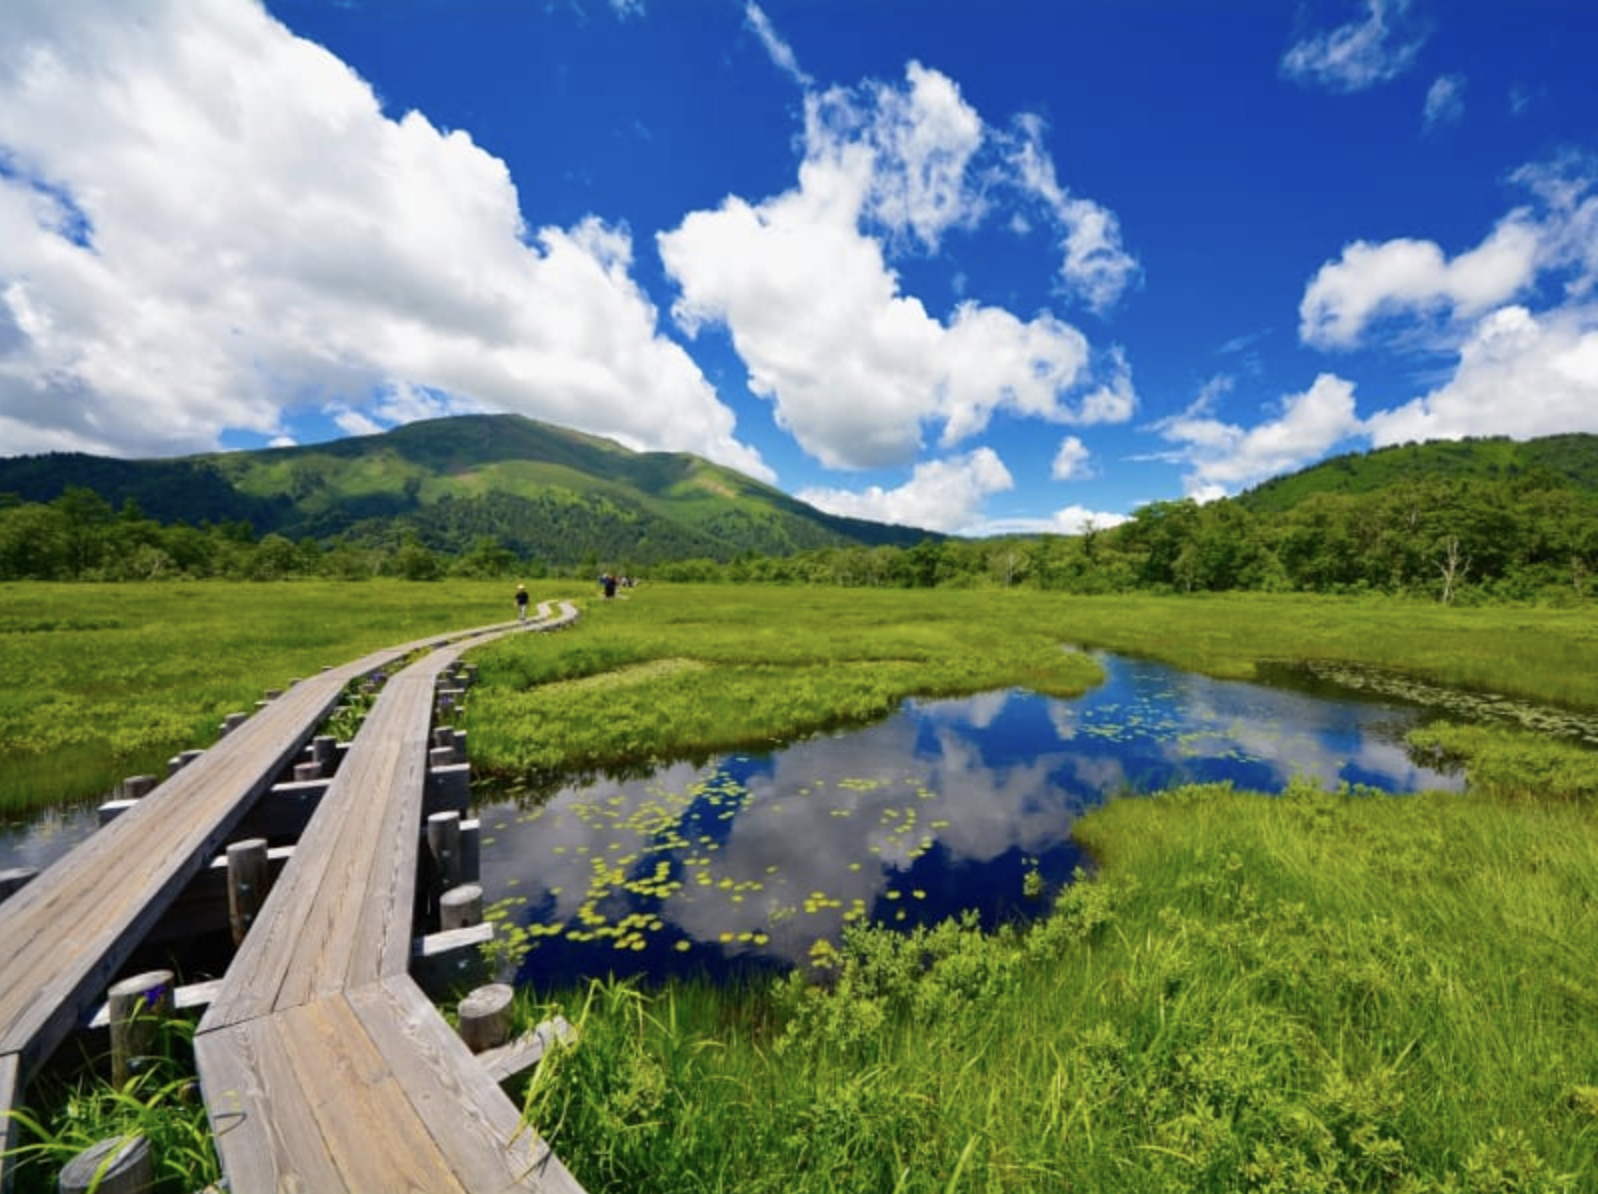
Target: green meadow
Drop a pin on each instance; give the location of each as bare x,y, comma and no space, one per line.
1317,991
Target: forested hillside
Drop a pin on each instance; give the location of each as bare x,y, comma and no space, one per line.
1485,520
544,495
1572,459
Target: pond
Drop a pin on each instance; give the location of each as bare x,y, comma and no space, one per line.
945,807
749,861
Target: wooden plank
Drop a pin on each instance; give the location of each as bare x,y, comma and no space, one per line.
371,1131
264,1131
527,1050
291,921
472,1120
384,927
184,998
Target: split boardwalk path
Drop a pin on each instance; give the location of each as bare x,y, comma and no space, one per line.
323,1066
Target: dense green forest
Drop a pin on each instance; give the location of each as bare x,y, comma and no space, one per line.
1454,522
1535,537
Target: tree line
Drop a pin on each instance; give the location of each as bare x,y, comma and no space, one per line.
1533,537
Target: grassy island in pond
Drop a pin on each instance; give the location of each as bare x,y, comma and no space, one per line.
1317,991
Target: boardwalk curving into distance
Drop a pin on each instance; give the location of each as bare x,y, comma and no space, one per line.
324,1067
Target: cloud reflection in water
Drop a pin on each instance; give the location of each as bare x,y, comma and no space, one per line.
940,808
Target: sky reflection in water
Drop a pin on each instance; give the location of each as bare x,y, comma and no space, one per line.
943,807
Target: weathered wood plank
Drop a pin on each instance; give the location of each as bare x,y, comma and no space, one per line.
384,927
525,1051
365,1118
258,1119
472,1120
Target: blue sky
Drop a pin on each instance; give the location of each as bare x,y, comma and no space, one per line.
978,267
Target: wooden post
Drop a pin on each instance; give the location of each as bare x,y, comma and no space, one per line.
460,907
307,771
449,787
136,786
471,850
117,1165
137,1006
441,756
232,722
324,749
249,878
444,841
485,1017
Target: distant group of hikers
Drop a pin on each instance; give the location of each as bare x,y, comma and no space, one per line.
608,583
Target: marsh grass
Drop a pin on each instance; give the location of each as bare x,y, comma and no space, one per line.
161,1102
1332,992
1313,992
107,681
690,670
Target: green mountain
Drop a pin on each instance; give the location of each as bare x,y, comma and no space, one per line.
545,492
1572,459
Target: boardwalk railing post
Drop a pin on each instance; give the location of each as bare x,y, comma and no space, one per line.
324,750
118,1165
444,842
137,1006
485,1017
248,879
460,907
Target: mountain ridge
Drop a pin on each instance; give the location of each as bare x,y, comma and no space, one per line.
543,491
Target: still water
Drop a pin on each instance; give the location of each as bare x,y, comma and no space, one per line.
945,807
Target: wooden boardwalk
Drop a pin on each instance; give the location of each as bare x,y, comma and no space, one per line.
323,1066
318,1014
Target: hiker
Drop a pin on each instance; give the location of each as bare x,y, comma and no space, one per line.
521,603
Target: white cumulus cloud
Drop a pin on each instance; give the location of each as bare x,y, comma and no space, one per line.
1416,278
207,223
1518,374
1520,367
1224,457
858,370
1068,520
941,495
1072,461
1095,265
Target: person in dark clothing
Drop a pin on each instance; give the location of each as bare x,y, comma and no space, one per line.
521,603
